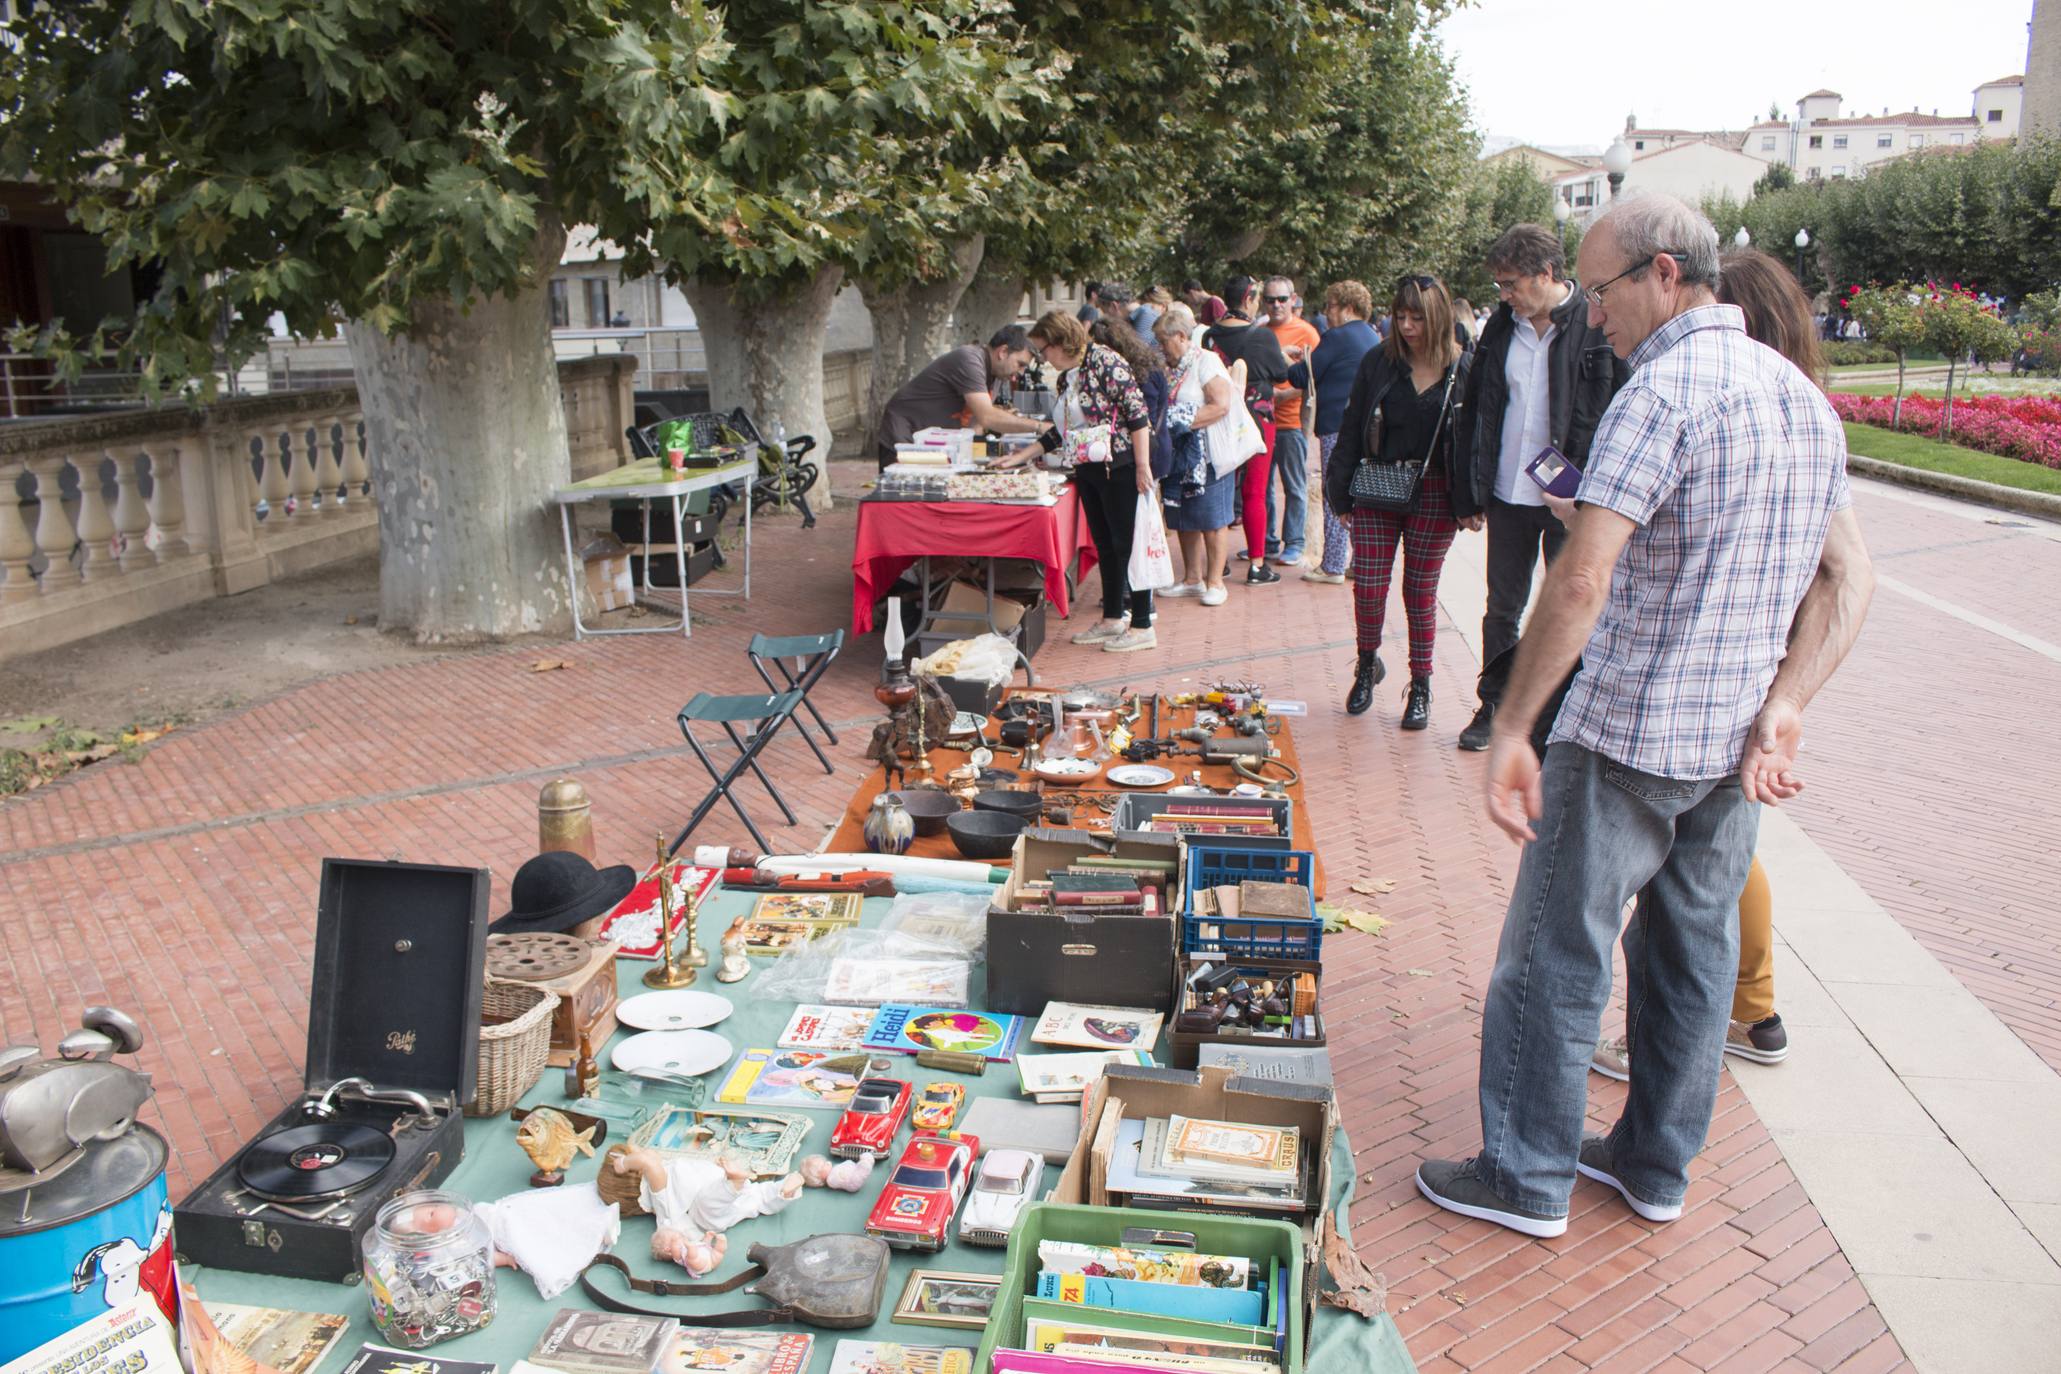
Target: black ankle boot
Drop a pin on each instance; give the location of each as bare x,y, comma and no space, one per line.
1368,672
1417,709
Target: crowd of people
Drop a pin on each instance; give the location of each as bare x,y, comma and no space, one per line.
1661,440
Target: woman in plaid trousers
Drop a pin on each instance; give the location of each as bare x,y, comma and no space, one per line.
1404,403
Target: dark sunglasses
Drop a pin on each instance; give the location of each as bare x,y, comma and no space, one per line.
1277,300
1420,280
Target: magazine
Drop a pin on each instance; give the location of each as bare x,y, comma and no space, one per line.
602,1342
816,1026
797,1078
633,924
782,920
696,1348
908,1030
290,1342
871,982
1097,1028
893,1357
1146,1266
384,1359
1067,1077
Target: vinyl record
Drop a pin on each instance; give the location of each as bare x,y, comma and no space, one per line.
316,1160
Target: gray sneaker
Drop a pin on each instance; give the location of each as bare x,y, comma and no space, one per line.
1452,1185
1594,1162
1102,631
1613,1059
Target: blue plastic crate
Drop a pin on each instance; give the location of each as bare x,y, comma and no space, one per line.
1268,937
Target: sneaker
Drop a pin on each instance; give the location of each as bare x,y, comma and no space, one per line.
1452,1185
1215,596
1259,575
1273,551
1764,1042
1613,1059
1291,557
1130,641
1475,737
1101,632
1594,1162
1329,579
1181,589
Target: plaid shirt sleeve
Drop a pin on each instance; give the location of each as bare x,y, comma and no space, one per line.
1635,460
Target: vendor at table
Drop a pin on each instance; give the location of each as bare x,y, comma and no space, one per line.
958,390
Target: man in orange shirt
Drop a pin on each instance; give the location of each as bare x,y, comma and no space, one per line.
1291,445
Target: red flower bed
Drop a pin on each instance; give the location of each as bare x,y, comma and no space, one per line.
2023,427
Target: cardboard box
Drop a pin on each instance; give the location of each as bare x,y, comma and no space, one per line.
1215,1094
1184,1048
965,604
1035,957
1134,808
607,584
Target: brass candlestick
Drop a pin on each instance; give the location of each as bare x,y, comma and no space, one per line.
695,957
921,763
668,974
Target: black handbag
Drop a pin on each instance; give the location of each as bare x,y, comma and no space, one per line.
1393,486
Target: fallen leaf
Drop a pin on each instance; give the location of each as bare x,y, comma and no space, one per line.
1418,972
27,725
1366,922
1375,887
1457,1298
1337,918
550,665
350,620
1356,1287
144,734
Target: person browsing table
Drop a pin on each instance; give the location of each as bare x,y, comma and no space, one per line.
959,387
1097,387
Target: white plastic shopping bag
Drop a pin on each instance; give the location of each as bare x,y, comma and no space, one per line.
1152,563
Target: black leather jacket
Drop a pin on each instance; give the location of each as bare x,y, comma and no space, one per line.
1583,374
1377,373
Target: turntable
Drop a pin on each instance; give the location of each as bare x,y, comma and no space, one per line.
393,1052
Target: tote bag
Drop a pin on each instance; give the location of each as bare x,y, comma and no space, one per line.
1235,437
1152,563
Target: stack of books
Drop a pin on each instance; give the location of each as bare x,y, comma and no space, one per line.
1178,1163
1153,1309
1054,1078
1108,886
1184,816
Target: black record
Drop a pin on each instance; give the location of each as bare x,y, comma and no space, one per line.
319,1160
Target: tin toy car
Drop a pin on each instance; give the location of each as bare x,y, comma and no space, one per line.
870,1122
914,1211
1007,1183
939,1106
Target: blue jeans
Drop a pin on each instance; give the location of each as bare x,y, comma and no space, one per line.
1292,464
1608,832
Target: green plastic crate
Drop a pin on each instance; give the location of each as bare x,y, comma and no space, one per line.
1248,1237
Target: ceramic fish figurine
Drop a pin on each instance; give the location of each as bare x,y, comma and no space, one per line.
550,1141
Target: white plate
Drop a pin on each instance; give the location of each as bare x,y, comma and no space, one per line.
678,1010
1140,775
689,1053
1068,770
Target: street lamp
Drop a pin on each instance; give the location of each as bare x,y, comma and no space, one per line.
1803,241
1742,238
1617,160
1560,210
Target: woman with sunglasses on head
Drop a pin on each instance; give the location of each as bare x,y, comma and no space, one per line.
1401,415
1097,387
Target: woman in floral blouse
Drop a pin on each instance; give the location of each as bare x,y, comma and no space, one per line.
1096,387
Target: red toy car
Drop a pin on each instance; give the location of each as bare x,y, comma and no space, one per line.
869,1124
915,1210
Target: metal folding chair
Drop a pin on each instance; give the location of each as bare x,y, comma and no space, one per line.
764,714
812,655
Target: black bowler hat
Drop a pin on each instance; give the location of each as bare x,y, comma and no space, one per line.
557,891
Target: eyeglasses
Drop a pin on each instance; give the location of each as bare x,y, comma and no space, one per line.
1594,294
1277,300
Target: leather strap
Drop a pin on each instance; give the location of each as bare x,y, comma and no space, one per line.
665,1288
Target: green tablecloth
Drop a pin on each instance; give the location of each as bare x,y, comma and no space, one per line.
494,1166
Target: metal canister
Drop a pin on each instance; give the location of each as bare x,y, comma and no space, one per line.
565,819
92,1240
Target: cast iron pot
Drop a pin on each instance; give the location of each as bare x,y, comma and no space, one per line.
929,808
985,834
1009,803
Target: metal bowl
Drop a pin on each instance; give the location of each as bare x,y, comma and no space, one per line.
929,808
985,834
1009,801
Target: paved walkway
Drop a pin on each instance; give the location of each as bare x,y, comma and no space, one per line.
183,888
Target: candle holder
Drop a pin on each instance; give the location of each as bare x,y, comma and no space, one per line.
668,975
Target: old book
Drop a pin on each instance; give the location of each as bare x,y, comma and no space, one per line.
581,1342
290,1342
1258,899
1203,1144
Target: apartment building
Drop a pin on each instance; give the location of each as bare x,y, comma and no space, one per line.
1824,143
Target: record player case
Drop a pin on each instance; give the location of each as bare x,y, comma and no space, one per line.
400,952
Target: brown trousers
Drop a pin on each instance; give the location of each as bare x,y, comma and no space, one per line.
1753,999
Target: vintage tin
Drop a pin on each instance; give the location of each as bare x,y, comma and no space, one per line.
93,1240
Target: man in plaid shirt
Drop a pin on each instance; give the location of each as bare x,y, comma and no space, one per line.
1713,578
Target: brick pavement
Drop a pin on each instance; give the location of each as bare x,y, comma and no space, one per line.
183,888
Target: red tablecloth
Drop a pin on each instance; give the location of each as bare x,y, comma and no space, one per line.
894,534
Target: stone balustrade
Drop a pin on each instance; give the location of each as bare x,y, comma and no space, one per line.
110,520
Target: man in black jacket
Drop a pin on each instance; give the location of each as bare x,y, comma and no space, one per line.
1541,376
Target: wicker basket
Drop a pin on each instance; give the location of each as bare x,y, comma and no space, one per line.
511,1053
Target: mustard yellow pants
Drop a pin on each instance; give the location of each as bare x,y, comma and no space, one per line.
1753,999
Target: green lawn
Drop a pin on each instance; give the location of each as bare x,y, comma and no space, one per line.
1996,384
1916,451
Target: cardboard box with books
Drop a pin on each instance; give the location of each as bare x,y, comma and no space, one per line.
1123,1104
1041,950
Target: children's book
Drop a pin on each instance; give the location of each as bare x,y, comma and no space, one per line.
1098,1028
892,1357
697,1348
816,1026
1146,1266
797,1078
1245,1307
907,1029
1066,1077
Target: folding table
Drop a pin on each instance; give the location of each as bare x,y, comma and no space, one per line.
646,481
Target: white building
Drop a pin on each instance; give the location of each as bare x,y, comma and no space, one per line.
1689,166
1822,143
